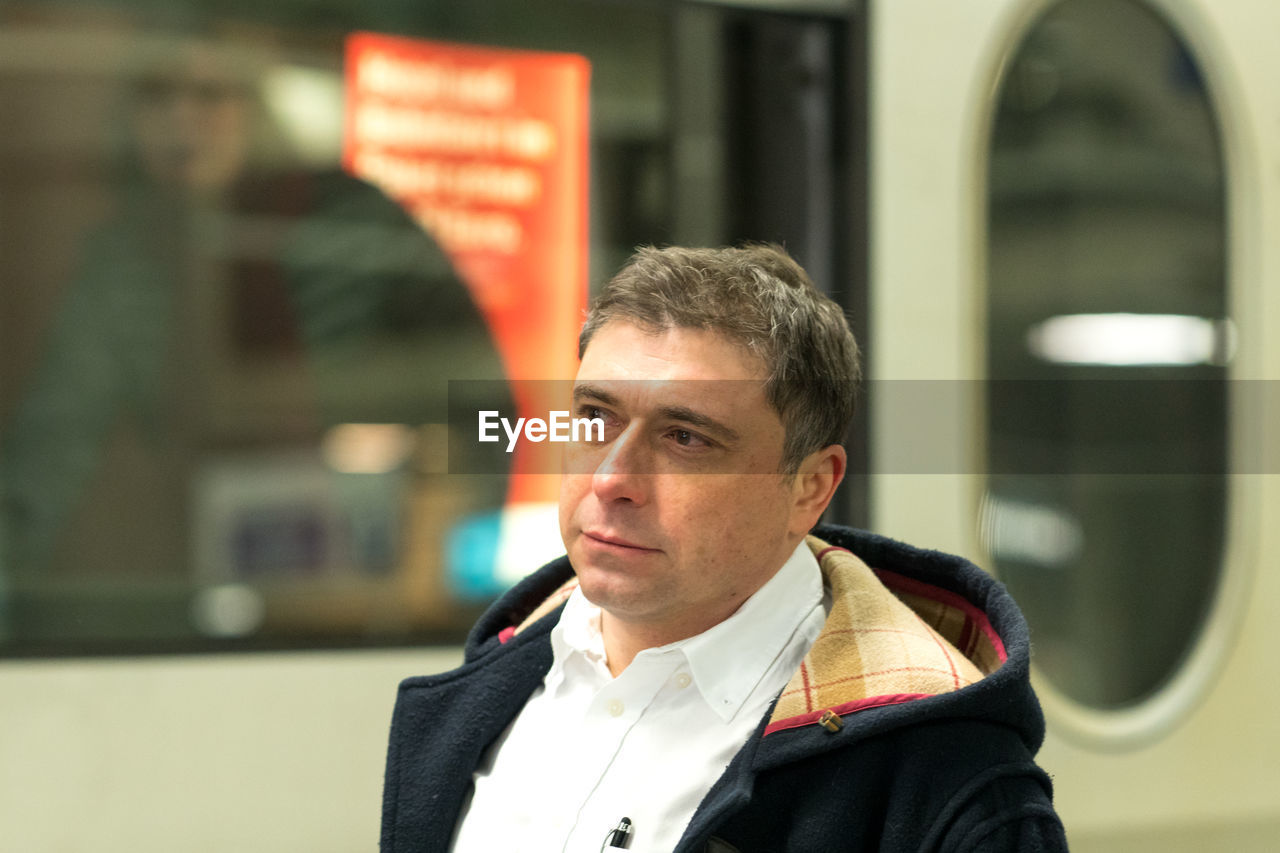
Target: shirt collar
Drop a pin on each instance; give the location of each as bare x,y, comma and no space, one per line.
727,660
577,633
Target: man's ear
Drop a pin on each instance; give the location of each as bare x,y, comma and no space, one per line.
815,485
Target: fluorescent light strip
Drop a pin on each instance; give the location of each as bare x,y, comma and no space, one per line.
1128,340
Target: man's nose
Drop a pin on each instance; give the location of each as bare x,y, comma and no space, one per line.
622,474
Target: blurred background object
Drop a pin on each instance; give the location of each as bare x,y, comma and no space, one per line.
233,311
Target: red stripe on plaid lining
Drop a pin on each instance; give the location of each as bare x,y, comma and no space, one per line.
951,662
837,631
808,696
968,639
807,689
975,616
827,550
801,720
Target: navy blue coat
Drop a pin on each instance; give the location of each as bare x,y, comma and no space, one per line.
951,772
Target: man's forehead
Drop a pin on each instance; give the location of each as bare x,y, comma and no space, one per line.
624,350
695,393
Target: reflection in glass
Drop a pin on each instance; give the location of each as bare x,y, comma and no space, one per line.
1106,262
224,363
230,424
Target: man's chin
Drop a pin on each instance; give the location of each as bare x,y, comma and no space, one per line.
610,590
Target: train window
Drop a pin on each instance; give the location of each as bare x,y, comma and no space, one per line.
1108,346
224,346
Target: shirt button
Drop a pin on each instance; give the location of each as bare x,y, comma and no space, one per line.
683,680
616,708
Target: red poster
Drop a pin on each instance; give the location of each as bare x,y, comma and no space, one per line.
488,150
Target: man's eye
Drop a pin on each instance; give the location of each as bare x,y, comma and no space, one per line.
687,438
594,433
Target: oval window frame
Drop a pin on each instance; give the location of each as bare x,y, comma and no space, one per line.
1154,716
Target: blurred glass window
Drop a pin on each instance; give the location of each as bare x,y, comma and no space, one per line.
224,360
1108,346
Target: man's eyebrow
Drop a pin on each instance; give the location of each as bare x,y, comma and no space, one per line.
586,390
695,418
684,414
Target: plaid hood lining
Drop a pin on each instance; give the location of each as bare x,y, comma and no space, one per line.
923,641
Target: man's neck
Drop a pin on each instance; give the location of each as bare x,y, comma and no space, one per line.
624,639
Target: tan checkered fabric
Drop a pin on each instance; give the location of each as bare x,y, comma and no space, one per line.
881,648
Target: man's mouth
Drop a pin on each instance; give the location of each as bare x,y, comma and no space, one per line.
615,541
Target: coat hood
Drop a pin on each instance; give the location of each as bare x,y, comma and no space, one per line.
912,635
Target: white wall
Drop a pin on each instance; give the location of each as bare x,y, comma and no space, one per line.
279,752
1212,781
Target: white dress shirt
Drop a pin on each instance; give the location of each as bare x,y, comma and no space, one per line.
588,749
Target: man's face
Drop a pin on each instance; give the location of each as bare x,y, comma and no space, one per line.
681,513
